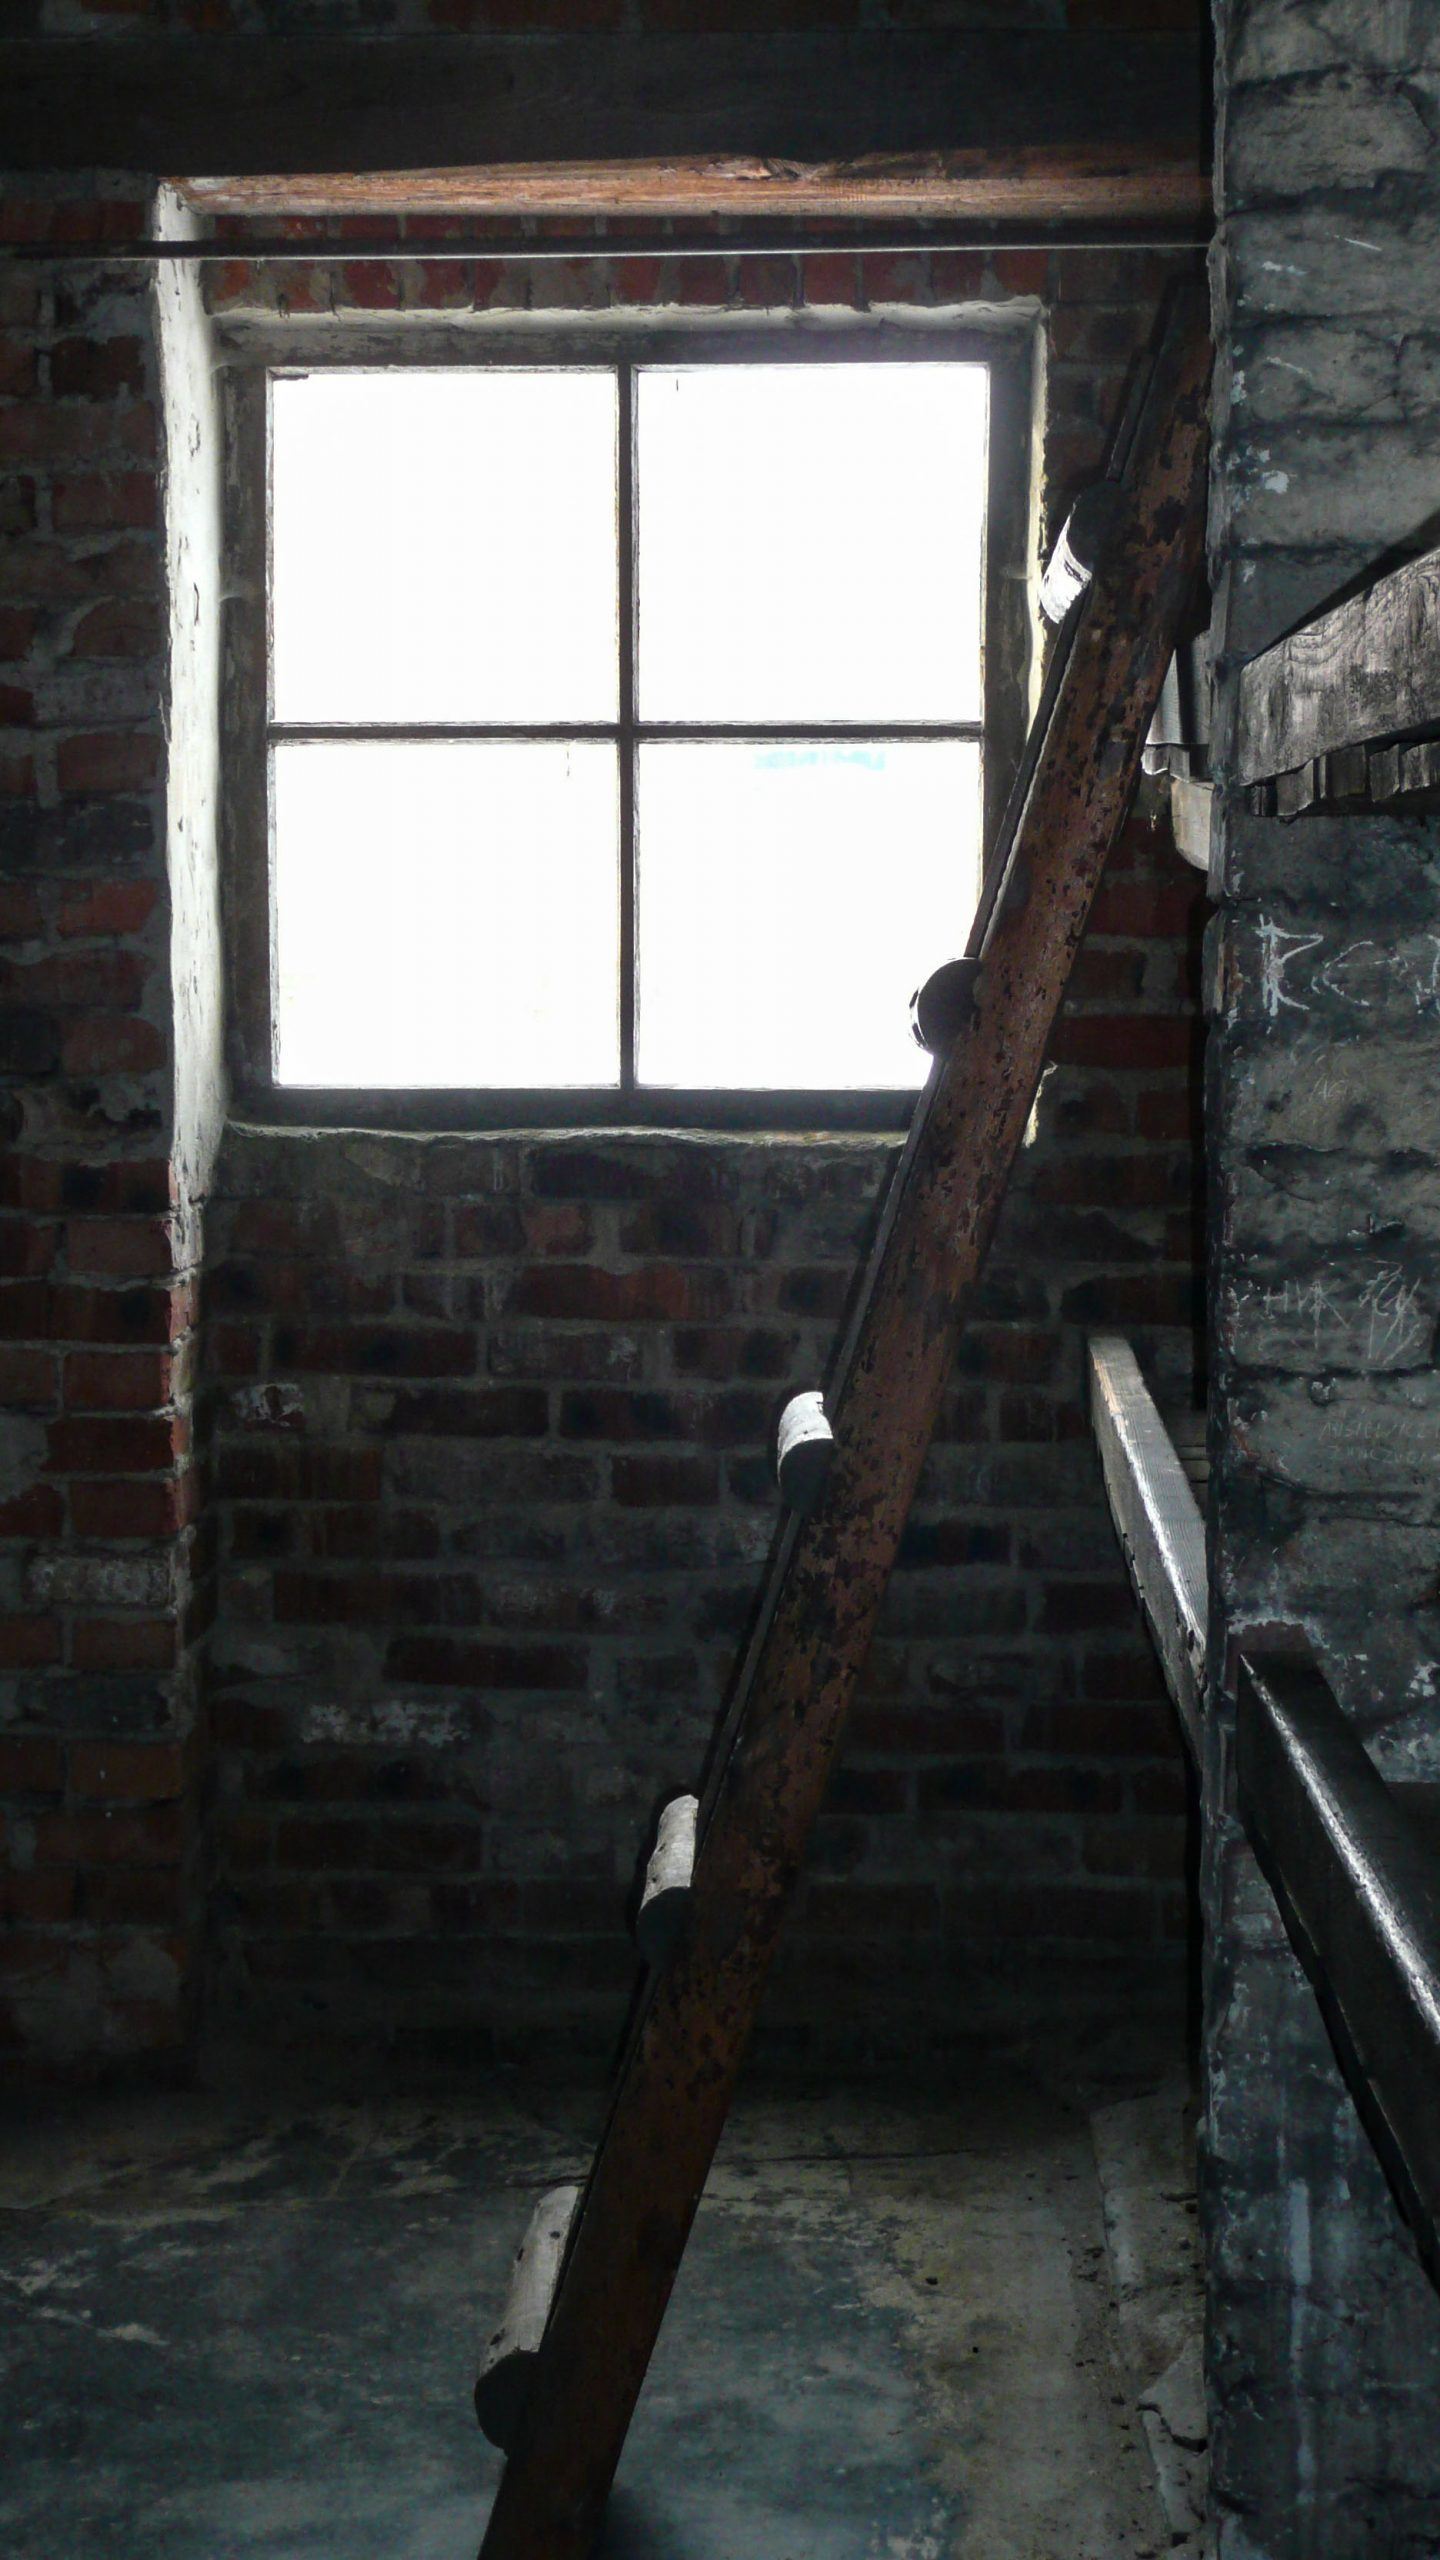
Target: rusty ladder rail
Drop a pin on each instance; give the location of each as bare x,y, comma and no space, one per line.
780,1734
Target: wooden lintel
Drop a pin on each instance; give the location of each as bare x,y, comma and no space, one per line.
246,106
1109,185
1157,1520
1366,672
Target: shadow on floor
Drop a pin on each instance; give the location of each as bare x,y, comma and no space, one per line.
235,2334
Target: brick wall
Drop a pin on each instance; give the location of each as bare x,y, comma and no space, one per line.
493,1495
490,1479
101,1554
434,1752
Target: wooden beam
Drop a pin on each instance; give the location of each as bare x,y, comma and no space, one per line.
243,106
1110,185
1157,1520
691,2032
1355,1875
1368,671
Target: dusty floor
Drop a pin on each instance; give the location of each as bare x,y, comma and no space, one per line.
246,2333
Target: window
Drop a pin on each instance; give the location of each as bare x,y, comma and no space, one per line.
625,742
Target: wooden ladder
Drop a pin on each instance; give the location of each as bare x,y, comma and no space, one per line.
777,1738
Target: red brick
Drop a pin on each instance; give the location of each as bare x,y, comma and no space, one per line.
957,275
129,1445
1021,271
1124,1040
17,368
153,1839
17,707
549,1227
76,979
831,278
660,1293
118,1248
904,278
41,1896
652,1483
134,1898
108,760
465,1662
107,906
105,502
123,1644
27,1247
128,1508
127,1772
373,285
116,1381
30,1764
384,1351
26,1644
40,1513
19,629
20,912
1167,1112
28,1380
1158,909
113,1043
96,368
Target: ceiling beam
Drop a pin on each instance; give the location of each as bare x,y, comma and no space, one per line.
786,104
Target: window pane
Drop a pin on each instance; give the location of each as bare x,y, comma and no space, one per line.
790,900
444,546
446,915
810,541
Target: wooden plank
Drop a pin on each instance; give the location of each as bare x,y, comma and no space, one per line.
236,106
691,2032
1109,184
1361,674
1355,1875
1157,1521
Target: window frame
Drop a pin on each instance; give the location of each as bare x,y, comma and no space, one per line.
247,728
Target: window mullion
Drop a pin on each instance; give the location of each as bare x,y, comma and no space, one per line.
628,643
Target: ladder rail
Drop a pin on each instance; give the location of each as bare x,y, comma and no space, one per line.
690,2028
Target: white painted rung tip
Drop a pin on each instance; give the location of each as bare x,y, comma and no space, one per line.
668,1877
804,1449
511,2349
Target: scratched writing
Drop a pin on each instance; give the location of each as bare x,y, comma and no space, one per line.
1366,976
1381,1321
1397,1321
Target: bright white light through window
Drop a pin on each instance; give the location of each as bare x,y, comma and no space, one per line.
446,914
786,892
456,910
810,541
444,547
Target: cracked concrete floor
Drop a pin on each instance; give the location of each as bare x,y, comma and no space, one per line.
244,2333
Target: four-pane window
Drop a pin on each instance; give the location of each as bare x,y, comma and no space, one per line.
625,724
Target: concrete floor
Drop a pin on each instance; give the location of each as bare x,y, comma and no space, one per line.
245,2332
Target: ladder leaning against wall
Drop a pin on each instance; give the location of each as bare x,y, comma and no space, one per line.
596,2271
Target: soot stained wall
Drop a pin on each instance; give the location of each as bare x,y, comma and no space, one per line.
406,1832
1322,1065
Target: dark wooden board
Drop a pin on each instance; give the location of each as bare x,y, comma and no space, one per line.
1157,1521
221,105
1365,672
1355,1875
692,2028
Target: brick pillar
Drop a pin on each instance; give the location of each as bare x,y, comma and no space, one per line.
1324,1065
